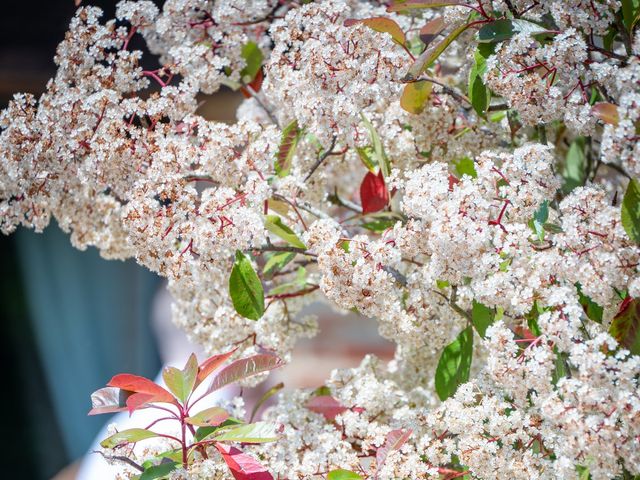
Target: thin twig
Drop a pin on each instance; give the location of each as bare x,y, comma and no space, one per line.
282,248
268,111
121,458
321,158
446,89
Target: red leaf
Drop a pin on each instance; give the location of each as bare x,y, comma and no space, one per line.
394,441
138,400
453,181
373,193
210,365
242,466
327,406
137,384
256,85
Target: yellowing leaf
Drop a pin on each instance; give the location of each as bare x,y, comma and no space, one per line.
415,95
381,24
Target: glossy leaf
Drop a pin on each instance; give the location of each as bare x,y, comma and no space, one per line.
109,400
481,317
430,55
277,261
343,475
606,113
419,4
158,471
630,210
454,365
244,368
625,326
575,169
211,417
253,57
478,93
504,29
373,193
137,384
415,96
211,364
539,219
245,289
242,466
181,382
326,406
286,150
274,224
394,441
259,432
430,31
381,24
124,437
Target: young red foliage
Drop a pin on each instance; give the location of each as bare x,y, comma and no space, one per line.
373,193
242,466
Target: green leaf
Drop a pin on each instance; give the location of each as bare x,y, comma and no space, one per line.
366,155
299,283
560,366
466,166
253,58
575,169
481,317
479,94
211,417
158,471
630,13
274,224
500,30
131,435
288,143
181,382
379,226
343,475
431,55
583,473
630,210
454,365
591,309
259,432
539,219
625,327
277,262
415,96
204,432
378,150
246,289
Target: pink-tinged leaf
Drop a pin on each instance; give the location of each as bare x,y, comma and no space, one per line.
327,406
431,30
373,193
242,466
211,417
138,400
181,382
415,95
211,364
606,112
255,85
135,383
394,441
381,24
244,368
416,4
109,400
286,150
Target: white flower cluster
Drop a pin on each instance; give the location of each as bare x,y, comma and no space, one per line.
499,225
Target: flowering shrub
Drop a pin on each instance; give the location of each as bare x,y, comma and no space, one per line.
465,173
